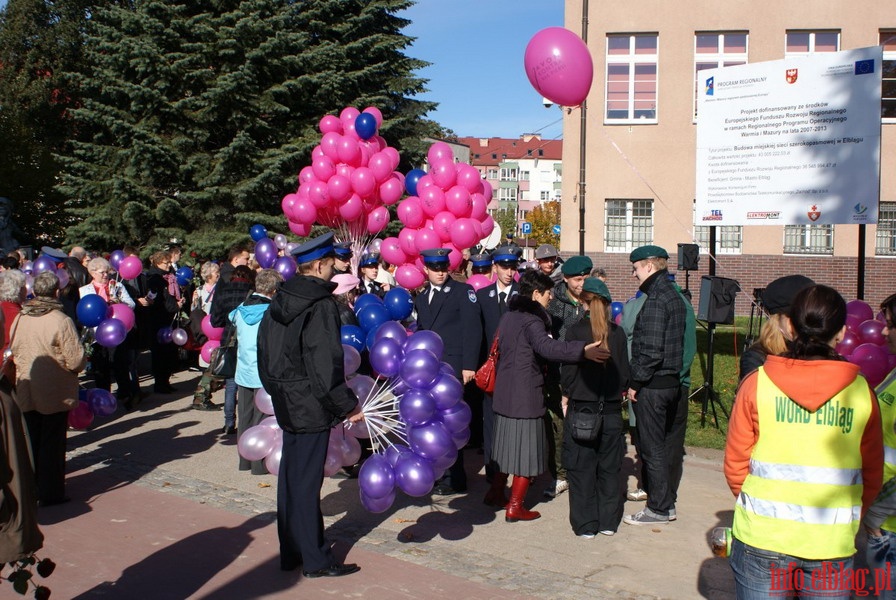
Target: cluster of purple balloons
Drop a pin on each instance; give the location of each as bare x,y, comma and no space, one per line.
112,322
864,343
265,440
92,403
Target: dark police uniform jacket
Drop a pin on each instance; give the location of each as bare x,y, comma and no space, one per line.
300,357
491,314
454,315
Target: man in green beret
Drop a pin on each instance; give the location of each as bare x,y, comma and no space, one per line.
655,388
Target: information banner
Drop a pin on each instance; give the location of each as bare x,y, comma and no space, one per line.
793,141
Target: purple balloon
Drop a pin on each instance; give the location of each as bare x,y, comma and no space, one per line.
63,277
286,266
457,418
417,407
871,332
266,252
447,391
361,386
425,340
414,474
377,505
44,263
102,402
351,359
392,329
446,460
272,460
180,336
394,451
271,422
111,332
447,369
263,401
376,478
385,357
853,322
461,438
848,344
164,335
420,368
256,442
431,440
860,309
115,258
872,361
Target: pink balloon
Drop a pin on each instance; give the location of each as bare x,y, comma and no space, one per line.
319,194
860,309
407,241
432,200
409,277
486,190
270,422
463,233
307,173
272,460
330,123
455,257
442,223
380,166
349,151
213,333
391,190
123,313
339,189
487,226
349,114
427,239
479,281
303,211
316,152
391,251
377,114
329,143
443,173
256,442
377,219
480,207
352,208
263,402
439,151
394,157
559,66
130,267
300,229
363,181
469,178
289,200
206,351
323,168
80,417
458,201
410,212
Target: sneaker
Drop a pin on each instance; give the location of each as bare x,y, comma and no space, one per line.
555,489
586,536
672,515
637,495
645,517
607,532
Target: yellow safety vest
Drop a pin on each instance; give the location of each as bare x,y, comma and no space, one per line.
803,495
886,398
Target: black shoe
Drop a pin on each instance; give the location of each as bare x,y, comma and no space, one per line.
333,571
228,430
443,489
206,405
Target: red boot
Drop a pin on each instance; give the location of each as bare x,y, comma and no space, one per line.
496,495
515,509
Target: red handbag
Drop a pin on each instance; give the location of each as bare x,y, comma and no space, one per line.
488,372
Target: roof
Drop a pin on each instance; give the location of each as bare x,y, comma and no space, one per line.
493,151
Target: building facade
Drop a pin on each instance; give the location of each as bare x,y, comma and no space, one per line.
641,139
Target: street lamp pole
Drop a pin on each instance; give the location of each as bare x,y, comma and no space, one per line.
583,129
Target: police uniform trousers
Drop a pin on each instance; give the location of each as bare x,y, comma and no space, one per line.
300,523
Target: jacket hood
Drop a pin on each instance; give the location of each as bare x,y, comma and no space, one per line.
252,310
561,293
810,383
298,295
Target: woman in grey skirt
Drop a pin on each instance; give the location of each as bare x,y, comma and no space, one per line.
525,346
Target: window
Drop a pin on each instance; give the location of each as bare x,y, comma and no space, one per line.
631,78
714,50
524,175
508,194
508,173
886,230
808,239
804,43
628,224
545,196
493,173
888,85
729,238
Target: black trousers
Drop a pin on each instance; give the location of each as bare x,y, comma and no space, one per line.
300,523
676,426
248,416
47,436
655,411
593,470
164,360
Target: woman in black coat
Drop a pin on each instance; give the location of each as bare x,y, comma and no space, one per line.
525,346
596,496
163,305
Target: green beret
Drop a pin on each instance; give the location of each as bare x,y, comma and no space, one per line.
577,265
647,252
596,286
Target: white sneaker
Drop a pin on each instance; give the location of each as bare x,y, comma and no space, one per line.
609,532
558,487
672,515
637,495
586,536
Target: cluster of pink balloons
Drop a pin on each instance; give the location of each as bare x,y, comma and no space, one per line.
213,334
351,180
864,343
448,208
265,440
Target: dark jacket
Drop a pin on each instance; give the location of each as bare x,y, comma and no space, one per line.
752,358
658,336
227,297
589,381
491,314
454,315
564,314
226,272
378,290
164,305
300,357
525,348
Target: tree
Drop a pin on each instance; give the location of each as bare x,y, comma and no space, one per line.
543,218
197,116
506,219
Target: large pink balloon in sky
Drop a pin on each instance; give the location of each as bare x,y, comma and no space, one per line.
559,66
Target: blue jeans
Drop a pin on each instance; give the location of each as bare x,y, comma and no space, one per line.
229,403
766,575
881,557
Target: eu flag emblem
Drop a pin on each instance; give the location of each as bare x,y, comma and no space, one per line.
864,67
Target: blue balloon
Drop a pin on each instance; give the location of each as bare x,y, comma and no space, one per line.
411,179
365,126
399,302
353,336
366,300
258,232
91,310
183,275
372,316
370,340
616,308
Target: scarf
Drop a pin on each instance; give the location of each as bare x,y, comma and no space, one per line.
40,306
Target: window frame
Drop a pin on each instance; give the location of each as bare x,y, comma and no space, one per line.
720,57
888,35
886,225
812,40
631,241
632,60
808,247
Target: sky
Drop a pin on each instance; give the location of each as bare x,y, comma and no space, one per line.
476,49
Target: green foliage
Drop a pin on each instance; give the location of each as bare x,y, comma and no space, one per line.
197,116
543,219
507,220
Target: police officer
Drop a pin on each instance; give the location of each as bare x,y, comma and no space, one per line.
368,269
481,264
449,308
343,256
